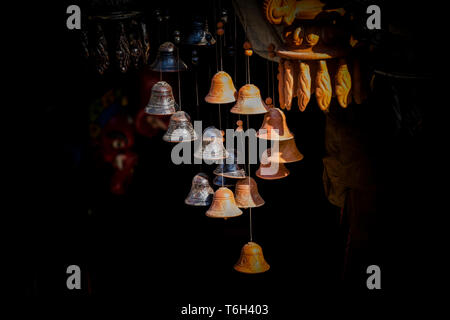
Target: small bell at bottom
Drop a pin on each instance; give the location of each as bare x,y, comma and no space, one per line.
251,259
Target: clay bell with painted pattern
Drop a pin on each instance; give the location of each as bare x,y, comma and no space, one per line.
167,60
161,101
222,89
249,101
274,126
251,259
201,193
246,194
223,205
180,128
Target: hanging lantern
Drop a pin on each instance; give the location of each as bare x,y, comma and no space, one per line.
201,193
251,259
249,101
287,152
167,60
221,181
212,148
222,89
274,120
231,168
161,101
223,205
247,195
199,35
180,128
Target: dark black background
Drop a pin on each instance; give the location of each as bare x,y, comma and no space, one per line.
148,243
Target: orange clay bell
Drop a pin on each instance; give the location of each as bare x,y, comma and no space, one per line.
222,89
251,259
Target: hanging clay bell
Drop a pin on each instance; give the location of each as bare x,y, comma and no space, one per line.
212,148
230,168
199,35
223,205
180,128
265,172
251,259
271,171
221,181
246,194
161,100
222,89
249,101
201,193
167,60
287,152
274,120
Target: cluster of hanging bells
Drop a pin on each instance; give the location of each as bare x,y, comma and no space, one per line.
162,101
223,203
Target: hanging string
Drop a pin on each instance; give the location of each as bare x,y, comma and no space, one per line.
273,83
248,66
220,48
248,165
179,78
196,93
268,78
235,44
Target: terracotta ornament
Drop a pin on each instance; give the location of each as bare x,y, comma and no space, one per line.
323,86
222,89
167,60
274,119
223,205
247,195
180,128
201,193
249,101
304,86
161,101
343,83
287,152
288,84
251,259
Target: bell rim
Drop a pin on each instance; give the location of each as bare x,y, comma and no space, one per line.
204,204
249,113
246,270
277,177
224,217
210,100
227,175
247,207
263,136
280,160
149,108
165,138
207,159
